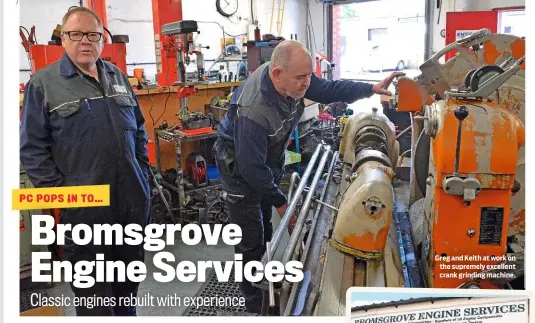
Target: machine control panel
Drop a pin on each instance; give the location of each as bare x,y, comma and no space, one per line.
490,229
165,136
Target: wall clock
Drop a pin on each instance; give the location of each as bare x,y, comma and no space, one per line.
227,8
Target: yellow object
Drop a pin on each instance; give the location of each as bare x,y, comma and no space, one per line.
61,197
365,211
280,15
133,81
44,311
291,157
57,32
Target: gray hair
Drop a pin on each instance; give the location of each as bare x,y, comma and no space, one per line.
74,10
283,53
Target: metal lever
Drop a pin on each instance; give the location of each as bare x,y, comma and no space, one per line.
325,204
506,62
314,199
460,113
478,34
270,284
489,86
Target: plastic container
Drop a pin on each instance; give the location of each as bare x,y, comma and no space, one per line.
213,172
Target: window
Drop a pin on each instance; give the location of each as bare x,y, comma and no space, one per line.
512,22
376,34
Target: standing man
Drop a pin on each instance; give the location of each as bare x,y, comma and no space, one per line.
82,125
254,135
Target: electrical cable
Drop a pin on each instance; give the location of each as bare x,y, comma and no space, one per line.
168,94
235,23
27,32
109,33
475,105
223,29
27,53
252,13
151,106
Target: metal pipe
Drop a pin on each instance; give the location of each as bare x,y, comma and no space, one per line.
428,42
326,205
300,223
277,235
295,177
403,132
271,288
295,286
304,210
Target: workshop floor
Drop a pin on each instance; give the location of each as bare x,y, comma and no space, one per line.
182,252
200,252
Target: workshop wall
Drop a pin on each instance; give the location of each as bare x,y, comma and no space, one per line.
317,26
45,16
463,5
134,18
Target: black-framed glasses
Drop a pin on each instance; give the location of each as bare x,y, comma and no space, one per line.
92,36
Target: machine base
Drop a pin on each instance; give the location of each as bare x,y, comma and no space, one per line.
361,254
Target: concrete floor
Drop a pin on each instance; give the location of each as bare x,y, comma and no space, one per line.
182,252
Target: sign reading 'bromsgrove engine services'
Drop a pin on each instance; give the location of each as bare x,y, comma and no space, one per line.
506,312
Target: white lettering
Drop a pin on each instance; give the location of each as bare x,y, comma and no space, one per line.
47,230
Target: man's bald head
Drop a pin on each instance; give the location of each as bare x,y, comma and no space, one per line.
291,69
286,51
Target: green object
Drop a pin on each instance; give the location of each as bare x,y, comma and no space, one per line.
291,158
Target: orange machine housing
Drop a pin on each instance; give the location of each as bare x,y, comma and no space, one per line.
44,55
165,12
475,231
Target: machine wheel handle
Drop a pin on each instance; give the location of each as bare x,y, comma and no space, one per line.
480,74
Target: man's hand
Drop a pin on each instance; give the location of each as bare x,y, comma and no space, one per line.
281,210
382,87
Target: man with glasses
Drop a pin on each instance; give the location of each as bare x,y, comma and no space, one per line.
82,125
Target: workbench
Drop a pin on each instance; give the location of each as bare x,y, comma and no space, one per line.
162,103
179,138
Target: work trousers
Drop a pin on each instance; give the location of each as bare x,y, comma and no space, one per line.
250,213
103,299
254,219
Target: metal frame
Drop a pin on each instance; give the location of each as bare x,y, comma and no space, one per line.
178,137
429,11
288,293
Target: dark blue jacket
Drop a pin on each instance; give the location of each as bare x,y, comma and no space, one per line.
260,121
77,131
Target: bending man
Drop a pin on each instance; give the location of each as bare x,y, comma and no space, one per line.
254,135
